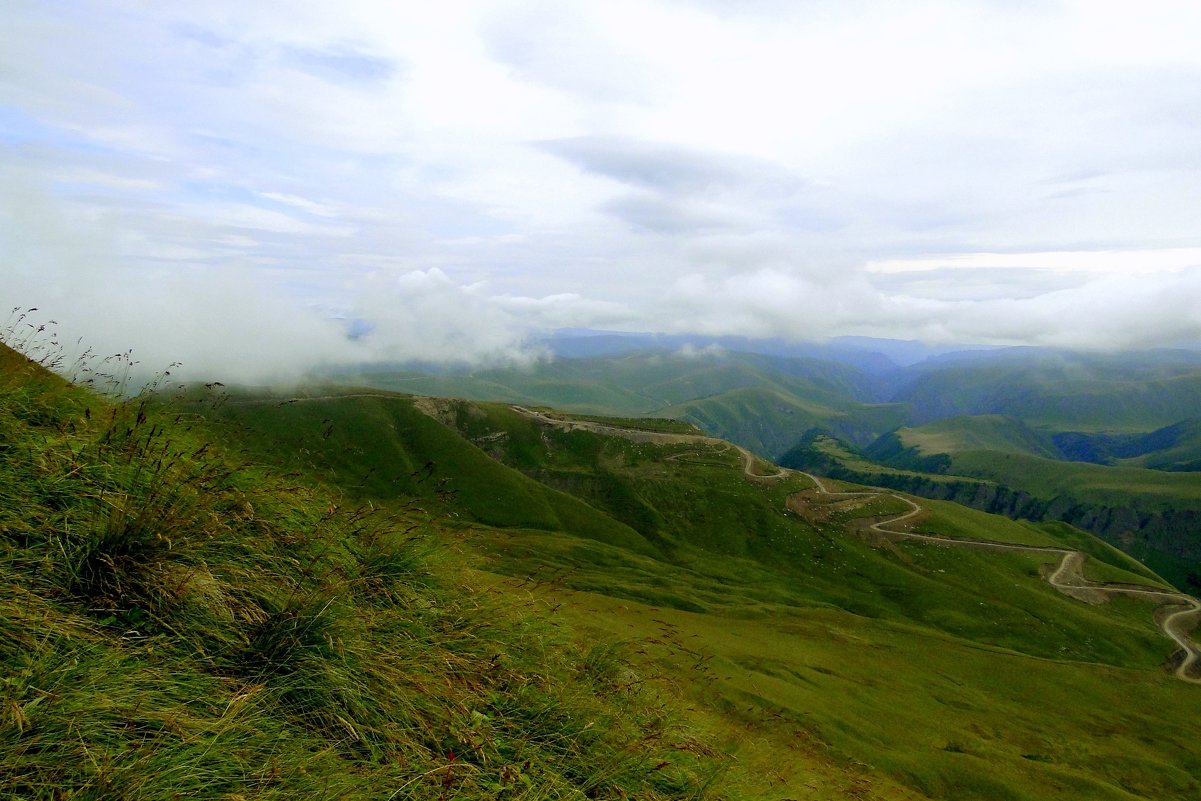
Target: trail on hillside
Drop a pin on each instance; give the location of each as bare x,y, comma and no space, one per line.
1067,577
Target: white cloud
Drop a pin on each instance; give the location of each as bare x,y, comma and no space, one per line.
304,204
424,315
467,174
1131,262
710,351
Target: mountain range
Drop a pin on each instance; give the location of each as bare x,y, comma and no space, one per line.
1010,417
345,591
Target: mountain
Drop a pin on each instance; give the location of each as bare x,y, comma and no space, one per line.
999,465
1126,410
1175,448
772,621
764,402
346,592
865,353
1057,390
1048,390
176,621
993,432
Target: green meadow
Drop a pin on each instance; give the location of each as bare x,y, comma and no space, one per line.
177,620
781,623
348,593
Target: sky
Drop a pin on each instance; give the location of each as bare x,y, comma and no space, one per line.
255,188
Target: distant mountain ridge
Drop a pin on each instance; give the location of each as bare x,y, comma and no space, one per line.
841,384
867,353
1004,415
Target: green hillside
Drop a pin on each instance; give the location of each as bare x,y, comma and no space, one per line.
377,446
1122,409
175,625
1175,448
769,421
1134,410
984,432
732,573
1061,391
729,566
1153,515
632,383
764,403
1139,489
305,595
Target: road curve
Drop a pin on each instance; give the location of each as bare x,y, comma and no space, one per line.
1067,577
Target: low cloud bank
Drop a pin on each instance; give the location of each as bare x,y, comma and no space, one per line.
217,324
426,316
229,322
222,323
1109,312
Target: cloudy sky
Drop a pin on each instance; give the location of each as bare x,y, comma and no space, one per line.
236,183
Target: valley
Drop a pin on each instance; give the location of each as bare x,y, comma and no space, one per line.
1105,442
1067,575
746,611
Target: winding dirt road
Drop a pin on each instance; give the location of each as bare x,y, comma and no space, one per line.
1067,576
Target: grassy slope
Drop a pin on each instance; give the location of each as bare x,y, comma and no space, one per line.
171,626
923,715
1180,449
1150,490
831,668
984,432
1149,512
1000,451
1064,392
1142,490
770,420
1126,495
763,403
874,678
381,446
803,634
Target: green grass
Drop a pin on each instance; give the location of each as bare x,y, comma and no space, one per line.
1150,490
172,624
659,424
952,520
911,628
379,447
1150,514
915,711
329,598
988,598
984,432
1174,448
